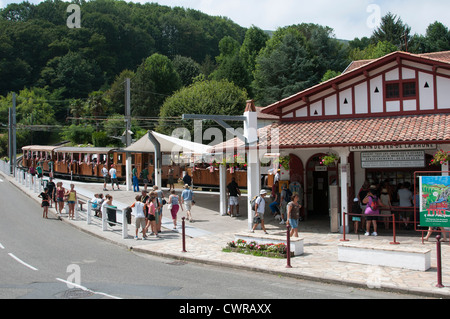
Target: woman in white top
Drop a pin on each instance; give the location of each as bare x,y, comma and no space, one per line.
139,216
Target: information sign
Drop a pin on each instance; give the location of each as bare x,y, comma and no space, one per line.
393,159
434,192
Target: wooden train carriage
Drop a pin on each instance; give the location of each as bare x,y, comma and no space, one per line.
206,177
143,160
34,155
83,161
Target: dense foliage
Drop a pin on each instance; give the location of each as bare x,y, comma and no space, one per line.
70,81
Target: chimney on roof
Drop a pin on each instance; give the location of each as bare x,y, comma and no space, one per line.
250,107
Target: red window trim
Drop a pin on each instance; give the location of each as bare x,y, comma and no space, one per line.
401,96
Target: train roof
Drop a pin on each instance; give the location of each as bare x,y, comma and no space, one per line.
91,150
45,148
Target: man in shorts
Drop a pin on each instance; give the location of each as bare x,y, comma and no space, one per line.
233,196
187,199
260,207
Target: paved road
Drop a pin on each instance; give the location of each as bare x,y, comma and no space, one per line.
39,257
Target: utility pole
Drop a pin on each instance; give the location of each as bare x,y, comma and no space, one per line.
128,133
12,135
405,37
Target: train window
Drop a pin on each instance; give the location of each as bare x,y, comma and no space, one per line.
119,158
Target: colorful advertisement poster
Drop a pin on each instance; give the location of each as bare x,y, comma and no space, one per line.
434,198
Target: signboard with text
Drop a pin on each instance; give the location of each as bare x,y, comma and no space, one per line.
398,147
434,193
393,159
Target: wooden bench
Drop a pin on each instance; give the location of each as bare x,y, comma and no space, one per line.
383,254
261,238
81,203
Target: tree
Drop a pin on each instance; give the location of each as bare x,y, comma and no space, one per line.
116,93
373,51
437,37
115,35
74,74
155,80
254,41
78,134
231,66
329,75
33,107
186,68
203,97
296,58
283,71
393,30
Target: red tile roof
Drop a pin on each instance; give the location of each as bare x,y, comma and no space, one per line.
441,59
443,56
414,129
382,130
264,116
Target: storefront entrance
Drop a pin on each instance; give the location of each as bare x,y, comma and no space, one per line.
320,193
318,180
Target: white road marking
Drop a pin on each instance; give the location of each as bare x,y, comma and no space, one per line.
22,262
1,246
86,289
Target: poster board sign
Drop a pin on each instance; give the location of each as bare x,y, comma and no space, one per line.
393,159
434,196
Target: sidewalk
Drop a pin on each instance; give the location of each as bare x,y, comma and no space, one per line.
210,232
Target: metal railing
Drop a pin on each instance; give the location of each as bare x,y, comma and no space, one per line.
123,220
394,242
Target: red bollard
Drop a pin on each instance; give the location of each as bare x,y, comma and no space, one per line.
343,228
438,260
183,228
288,247
393,232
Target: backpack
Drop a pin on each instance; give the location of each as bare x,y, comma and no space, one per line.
253,202
374,203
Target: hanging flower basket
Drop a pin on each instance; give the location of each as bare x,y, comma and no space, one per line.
329,159
440,157
284,161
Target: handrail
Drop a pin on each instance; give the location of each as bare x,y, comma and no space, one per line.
394,242
124,222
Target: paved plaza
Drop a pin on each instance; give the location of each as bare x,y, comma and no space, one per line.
210,232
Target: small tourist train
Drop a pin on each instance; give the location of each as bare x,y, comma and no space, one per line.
86,163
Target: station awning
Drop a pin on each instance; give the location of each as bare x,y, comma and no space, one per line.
169,144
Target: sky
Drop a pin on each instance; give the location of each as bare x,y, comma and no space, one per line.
348,18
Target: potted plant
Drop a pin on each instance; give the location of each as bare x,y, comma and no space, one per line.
329,159
440,157
284,161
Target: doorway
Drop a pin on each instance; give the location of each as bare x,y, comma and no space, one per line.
320,193
317,183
